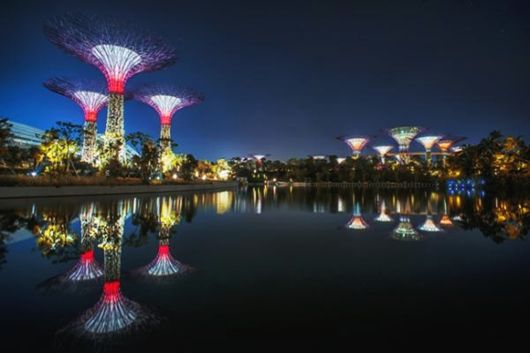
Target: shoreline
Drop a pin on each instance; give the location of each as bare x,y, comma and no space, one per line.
17,192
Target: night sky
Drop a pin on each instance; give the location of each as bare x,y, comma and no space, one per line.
287,77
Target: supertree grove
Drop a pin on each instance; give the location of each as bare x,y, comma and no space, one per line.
91,98
166,101
118,52
428,142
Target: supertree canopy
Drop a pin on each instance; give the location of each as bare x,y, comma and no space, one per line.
166,101
382,151
428,142
404,135
445,144
91,98
118,51
356,144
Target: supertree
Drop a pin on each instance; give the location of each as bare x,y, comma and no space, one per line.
166,101
428,142
445,145
356,144
118,51
91,98
404,135
383,151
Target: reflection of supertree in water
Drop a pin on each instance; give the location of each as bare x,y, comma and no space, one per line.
405,230
113,313
429,225
86,268
117,51
164,264
383,216
357,222
91,99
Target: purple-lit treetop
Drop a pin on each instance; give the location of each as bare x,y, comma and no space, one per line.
167,100
89,96
118,51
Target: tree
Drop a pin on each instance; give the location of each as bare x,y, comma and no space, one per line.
147,162
59,147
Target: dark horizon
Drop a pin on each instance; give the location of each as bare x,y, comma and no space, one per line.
286,78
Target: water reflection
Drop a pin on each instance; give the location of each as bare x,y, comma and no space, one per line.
82,231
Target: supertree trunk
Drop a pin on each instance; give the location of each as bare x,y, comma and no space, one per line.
115,131
428,157
112,250
88,153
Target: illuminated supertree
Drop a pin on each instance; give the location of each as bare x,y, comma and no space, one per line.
405,230
357,222
91,98
166,101
445,145
428,142
404,135
382,151
429,225
356,144
118,52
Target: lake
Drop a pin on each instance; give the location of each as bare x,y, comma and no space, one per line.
258,264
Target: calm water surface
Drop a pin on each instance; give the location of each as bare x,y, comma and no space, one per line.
260,264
